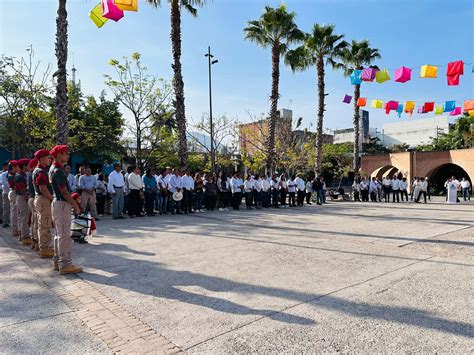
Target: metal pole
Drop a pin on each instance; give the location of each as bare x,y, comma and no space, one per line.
213,162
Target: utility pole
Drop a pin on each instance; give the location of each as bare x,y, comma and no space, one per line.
211,128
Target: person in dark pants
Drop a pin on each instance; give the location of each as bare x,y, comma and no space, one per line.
364,190
275,191
396,188
135,184
210,193
387,188
318,188
150,192
101,194
403,188
236,185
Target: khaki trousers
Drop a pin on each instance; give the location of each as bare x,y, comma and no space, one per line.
13,212
23,217
33,219
44,221
62,241
88,199
6,208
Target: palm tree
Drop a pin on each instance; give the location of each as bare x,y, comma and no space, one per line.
276,29
320,46
178,83
62,130
355,56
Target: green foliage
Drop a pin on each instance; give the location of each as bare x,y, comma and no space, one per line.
460,136
276,26
356,55
374,147
337,159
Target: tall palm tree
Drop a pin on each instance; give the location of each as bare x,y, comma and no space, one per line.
276,28
62,130
178,83
355,56
321,46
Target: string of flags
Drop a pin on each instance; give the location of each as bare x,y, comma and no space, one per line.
454,70
111,10
409,106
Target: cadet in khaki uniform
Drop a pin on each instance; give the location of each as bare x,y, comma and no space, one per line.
21,193
31,204
61,209
43,199
12,170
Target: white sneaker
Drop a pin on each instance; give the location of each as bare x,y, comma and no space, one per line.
221,209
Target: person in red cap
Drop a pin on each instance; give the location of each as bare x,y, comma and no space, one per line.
42,203
61,209
31,204
21,195
12,170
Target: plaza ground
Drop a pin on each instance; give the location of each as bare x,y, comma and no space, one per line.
361,277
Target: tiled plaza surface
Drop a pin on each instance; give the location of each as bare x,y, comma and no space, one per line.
361,277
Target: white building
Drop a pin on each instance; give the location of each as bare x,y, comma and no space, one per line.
413,132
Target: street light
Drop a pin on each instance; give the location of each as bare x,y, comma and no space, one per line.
211,62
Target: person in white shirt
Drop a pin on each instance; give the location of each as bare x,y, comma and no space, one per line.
403,188
423,189
356,189
266,189
387,187
309,191
71,180
188,190
291,191
364,190
115,187
175,185
416,189
135,201
300,190
162,192
395,188
257,192
373,190
5,190
275,190
126,189
248,189
236,186
465,186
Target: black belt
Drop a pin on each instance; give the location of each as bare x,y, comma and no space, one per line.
117,187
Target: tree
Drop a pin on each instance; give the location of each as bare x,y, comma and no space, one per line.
337,160
62,129
321,46
460,136
24,89
222,128
276,29
355,56
95,126
178,83
148,100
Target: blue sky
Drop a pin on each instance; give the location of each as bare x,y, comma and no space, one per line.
407,32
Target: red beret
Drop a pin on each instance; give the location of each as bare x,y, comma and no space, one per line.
75,195
33,163
13,162
63,148
41,153
23,161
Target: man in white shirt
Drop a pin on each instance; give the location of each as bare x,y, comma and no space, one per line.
115,187
291,191
275,191
163,192
424,189
70,178
135,202
248,189
465,186
257,192
5,202
395,188
236,186
175,184
266,186
188,188
373,190
387,187
300,190
403,188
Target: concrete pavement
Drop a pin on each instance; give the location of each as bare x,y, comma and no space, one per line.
359,277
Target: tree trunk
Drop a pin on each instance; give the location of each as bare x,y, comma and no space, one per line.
270,143
62,130
178,84
356,162
321,108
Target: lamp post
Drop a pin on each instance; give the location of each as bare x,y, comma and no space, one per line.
211,128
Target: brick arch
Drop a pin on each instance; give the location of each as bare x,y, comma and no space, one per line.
387,170
425,163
